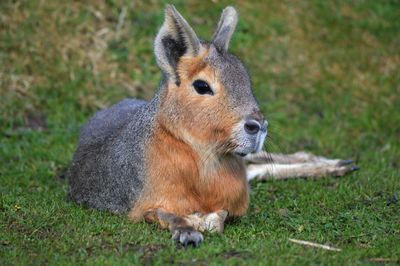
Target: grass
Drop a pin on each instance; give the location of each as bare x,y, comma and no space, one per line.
326,74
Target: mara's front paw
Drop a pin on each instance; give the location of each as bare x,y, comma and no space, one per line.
187,236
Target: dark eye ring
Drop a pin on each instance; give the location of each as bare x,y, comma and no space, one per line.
202,87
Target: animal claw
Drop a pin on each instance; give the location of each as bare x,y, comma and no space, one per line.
188,236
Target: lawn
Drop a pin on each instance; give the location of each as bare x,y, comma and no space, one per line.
327,77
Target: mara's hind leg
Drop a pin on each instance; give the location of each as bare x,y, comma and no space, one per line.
265,166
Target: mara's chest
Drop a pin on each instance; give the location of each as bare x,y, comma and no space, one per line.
183,182
225,187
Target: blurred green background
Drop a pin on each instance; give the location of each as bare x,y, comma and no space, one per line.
326,74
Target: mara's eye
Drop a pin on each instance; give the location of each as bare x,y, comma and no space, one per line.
202,87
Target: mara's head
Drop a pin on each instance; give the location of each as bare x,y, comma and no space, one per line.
207,98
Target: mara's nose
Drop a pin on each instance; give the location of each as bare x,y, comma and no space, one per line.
252,126
254,123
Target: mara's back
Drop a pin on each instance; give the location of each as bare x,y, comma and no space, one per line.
108,168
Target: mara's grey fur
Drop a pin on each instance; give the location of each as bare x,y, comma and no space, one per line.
108,169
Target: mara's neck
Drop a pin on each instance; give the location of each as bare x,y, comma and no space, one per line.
205,161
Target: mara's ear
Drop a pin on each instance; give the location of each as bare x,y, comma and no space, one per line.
226,26
175,39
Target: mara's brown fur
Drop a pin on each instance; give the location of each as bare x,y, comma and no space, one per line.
179,184
186,174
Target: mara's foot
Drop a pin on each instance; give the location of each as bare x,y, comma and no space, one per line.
187,236
300,164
